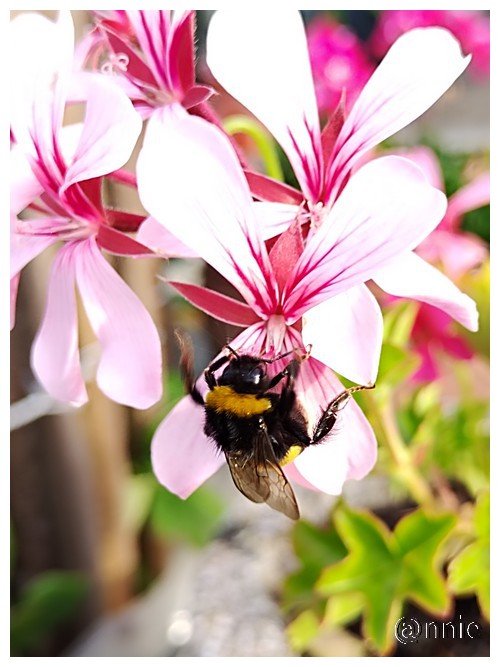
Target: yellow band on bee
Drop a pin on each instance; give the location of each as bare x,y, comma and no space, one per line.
292,454
225,399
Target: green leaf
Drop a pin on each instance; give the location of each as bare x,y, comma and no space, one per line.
396,364
47,602
315,547
195,519
303,630
469,571
139,494
387,569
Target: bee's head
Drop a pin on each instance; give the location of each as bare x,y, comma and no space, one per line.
245,374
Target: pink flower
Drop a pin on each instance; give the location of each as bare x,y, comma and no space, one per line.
448,246
338,61
151,55
57,173
294,295
470,27
273,79
457,252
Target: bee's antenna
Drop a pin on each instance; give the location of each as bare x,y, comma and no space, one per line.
233,351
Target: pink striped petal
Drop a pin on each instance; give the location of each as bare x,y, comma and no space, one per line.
155,236
182,455
427,160
274,219
410,276
110,132
420,66
346,334
349,451
130,367
261,59
220,306
386,208
190,180
54,354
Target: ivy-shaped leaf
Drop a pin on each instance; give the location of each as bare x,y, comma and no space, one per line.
387,568
469,571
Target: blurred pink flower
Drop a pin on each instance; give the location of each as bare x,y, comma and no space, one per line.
338,61
457,252
295,294
57,173
471,27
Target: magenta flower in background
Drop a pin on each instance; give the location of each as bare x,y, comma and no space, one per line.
339,63
56,173
471,27
293,294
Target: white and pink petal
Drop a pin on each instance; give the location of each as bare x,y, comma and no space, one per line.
417,70
262,59
386,208
190,180
54,354
345,333
411,277
130,368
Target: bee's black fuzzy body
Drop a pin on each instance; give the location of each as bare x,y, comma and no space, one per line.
258,429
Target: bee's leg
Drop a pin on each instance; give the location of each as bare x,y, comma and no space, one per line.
186,366
210,370
329,416
287,396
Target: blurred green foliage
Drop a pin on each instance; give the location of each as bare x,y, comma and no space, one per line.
48,601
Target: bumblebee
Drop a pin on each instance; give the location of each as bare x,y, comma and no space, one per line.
258,430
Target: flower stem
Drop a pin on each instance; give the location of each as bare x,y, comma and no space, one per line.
264,142
402,459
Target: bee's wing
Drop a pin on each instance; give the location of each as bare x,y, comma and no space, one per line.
261,479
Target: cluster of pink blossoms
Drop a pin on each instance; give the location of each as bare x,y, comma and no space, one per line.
300,258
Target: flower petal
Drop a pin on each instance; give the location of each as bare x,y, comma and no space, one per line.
155,236
130,367
182,455
350,450
14,284
387,207
346,334
54,354
190,180
110,131
25,247
420,66
24,186
410,276
273,218
220,306
261,58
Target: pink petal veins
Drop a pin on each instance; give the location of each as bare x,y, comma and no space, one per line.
54,354
130,368
420,66
386,208
190,180
262,60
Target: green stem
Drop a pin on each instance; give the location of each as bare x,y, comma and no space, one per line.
406,470
265,143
